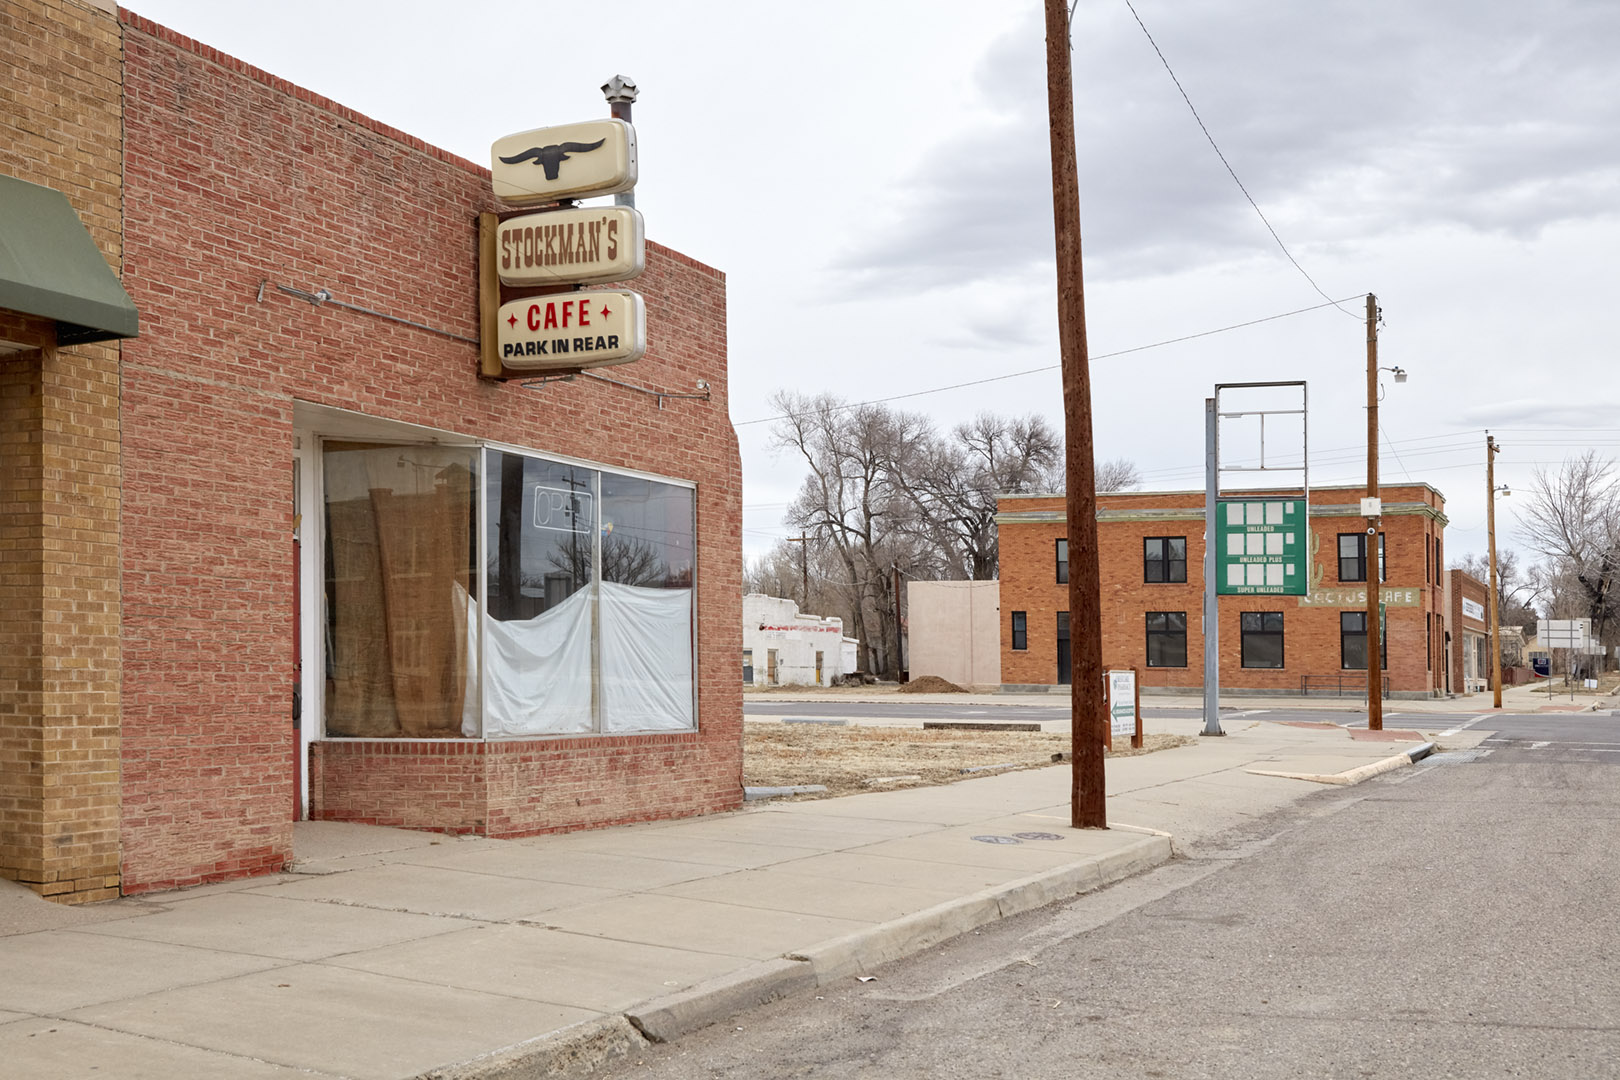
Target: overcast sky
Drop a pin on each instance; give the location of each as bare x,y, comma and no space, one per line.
873,179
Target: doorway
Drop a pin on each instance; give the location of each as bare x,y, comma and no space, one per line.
1065,672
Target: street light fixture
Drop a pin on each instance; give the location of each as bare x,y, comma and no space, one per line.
1375,650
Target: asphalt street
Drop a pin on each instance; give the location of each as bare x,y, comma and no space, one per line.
887,712
1455,919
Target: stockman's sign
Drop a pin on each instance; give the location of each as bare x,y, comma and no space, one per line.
583,245
572,330
572,161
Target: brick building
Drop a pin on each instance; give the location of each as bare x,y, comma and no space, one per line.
1151,549
515,609
1468,633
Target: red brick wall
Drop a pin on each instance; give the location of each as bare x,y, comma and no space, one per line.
514,788
1464,585
1311,640
235,178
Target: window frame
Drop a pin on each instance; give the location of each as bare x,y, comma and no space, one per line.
1360,557
1020,631
316,601
1061,554
1346,635
1263,631
1163,561
1163,634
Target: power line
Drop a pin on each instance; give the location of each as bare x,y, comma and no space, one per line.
1055,367
1230,171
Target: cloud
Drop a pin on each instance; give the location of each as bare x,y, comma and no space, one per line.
1346,125
1539,412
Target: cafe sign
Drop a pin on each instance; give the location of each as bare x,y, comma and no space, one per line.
570,161
582,245
1388,596
571,330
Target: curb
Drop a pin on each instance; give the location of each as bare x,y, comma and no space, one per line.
1357,775
711,1002
579,1050
575,1052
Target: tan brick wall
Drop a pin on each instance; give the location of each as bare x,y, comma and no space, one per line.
1311,639
60,478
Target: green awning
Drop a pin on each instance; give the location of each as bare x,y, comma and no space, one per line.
50,267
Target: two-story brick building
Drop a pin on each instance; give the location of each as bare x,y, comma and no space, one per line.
1151,550
285,552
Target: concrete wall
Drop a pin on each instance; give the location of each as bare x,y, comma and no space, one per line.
954,631
771,623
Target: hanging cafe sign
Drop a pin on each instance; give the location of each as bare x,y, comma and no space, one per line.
531,265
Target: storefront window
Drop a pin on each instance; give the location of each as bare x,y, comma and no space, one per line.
539,642
648,559
586,594
399,562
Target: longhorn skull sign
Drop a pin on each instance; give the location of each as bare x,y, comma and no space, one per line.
575,161
550,158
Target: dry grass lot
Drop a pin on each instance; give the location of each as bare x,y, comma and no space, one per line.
853,759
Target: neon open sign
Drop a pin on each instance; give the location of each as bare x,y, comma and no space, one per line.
562,509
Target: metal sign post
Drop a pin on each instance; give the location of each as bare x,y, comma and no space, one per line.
1254,544
1212,622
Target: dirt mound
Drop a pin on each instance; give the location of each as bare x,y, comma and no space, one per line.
930,684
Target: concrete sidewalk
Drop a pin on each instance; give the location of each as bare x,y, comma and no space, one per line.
392,954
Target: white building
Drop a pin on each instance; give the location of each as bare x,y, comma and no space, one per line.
784,648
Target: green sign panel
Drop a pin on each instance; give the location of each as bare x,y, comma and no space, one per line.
1262,548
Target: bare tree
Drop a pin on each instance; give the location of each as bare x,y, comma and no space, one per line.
1573,518
851,504
953,484
1116,474
1515,587
1119,474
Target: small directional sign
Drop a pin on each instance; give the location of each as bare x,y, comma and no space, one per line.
1262,547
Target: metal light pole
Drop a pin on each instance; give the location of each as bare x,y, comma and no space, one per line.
1089,721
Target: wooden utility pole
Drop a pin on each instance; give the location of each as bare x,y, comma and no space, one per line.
899,635
1490,519
803,540
1375,643
1088,724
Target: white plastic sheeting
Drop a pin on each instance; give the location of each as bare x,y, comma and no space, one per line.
646,658
537,679
537,674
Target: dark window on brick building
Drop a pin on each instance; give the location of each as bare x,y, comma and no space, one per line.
1062,562
1353,557
1353,642
1020,630
1164,558
1262,639
1167,639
